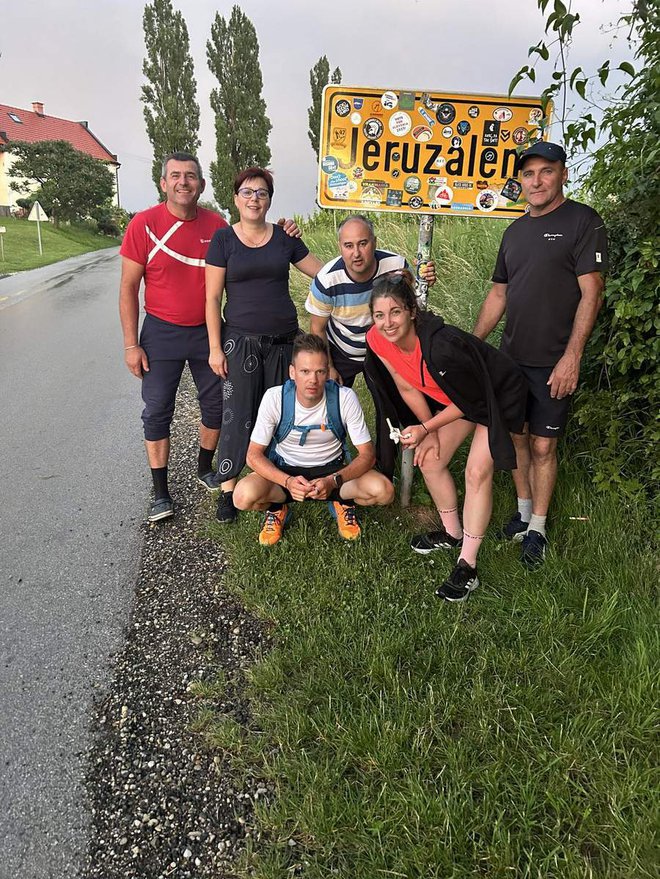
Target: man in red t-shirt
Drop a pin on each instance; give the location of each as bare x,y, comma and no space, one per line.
165,247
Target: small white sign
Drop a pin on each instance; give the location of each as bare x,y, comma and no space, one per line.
37,214
3,229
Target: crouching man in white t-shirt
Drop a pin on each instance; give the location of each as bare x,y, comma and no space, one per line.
298,451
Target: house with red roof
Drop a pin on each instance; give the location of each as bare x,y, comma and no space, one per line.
34,126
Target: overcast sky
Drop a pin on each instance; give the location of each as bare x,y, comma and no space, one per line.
83,60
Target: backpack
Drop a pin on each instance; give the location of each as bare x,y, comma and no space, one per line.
287,418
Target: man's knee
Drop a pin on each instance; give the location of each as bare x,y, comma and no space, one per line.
251,493
375,489
542,448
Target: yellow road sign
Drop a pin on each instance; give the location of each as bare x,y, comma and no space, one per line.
424,152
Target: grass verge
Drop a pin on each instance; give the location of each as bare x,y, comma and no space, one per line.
22,245
510,736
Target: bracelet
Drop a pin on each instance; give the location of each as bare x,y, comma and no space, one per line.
286,483
128,347
425,427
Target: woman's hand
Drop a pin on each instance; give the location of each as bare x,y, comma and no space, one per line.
412,436
218,362
430,445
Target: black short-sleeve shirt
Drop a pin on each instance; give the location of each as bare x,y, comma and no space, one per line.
257,281
540,260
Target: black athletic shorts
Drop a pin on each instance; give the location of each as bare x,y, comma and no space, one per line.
313,473
347,368
546,416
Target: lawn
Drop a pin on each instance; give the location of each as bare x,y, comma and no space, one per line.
22,244
511,736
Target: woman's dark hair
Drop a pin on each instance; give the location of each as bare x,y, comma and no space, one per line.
398,285
249,174
308,343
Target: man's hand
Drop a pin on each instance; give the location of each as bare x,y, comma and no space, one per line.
299,488
322,488
290,227
136,360
334,375
218,362
427,272
564,377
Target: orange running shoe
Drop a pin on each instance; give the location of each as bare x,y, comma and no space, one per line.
347,523
273,527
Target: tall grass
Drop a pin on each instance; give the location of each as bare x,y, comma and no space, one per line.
508,737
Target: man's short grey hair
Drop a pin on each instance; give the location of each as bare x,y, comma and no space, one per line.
367,222
180,157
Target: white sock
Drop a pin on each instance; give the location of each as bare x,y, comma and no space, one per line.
525,508
537,523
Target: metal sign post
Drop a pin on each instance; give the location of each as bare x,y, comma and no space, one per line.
35,216
424,242
3,229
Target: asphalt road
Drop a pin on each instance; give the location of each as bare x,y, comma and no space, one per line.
74,490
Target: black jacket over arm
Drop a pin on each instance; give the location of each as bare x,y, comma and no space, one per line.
484,383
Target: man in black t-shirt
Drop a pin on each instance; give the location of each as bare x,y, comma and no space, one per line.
548,282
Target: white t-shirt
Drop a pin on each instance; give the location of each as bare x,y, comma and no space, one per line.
321,446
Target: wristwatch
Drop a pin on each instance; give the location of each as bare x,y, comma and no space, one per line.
338,480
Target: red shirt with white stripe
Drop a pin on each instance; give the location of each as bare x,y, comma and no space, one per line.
173,253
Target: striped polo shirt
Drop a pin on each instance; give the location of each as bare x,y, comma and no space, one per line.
345,302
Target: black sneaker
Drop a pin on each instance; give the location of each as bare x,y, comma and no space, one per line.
458,585
432,540
515,529
226,512
210,480
162,508
533,550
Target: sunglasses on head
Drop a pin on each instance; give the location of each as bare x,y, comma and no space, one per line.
392,279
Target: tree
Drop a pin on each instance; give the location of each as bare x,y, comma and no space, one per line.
241,124
72,185
171,111
620,395
319,77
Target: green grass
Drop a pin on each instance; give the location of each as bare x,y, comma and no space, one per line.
22,244
512,736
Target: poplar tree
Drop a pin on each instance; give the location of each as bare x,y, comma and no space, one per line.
171,111
319,77
241,124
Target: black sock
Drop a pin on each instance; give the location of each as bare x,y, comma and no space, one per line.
205,461
159,476
275,508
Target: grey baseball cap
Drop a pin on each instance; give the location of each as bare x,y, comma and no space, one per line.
546,150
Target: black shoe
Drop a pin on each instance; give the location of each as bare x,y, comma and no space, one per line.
226,512
515,529
432,540
162,508
210,480
458,585
533,550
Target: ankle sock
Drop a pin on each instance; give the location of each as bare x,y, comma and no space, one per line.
450,522
275,508
537,523
470,548
525,508
159,476
205,461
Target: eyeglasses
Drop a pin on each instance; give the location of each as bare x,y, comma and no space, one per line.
246,192
393,278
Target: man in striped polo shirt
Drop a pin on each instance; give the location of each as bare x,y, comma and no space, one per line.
338,299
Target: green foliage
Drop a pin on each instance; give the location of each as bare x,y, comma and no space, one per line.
72,185
241,124
22,247
171,111
319,77
618,403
